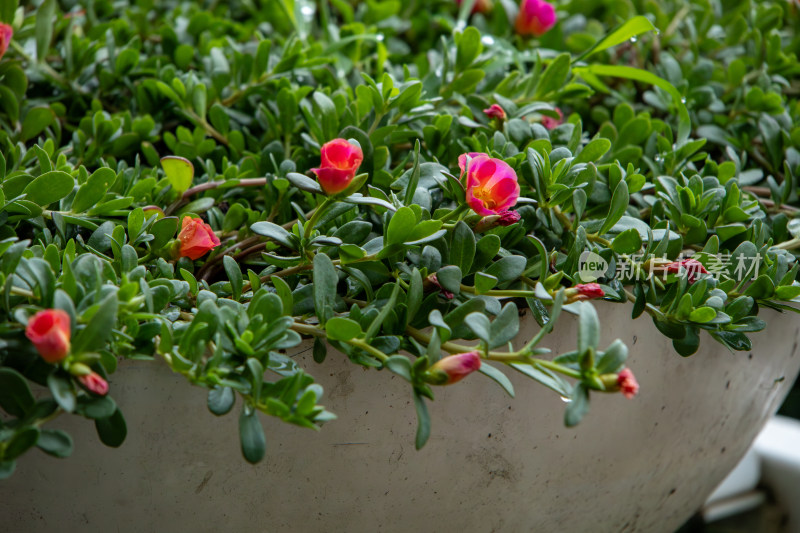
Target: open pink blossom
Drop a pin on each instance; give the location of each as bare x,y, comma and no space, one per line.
491,184
535,17
6,32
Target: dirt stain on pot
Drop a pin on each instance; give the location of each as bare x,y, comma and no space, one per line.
203,483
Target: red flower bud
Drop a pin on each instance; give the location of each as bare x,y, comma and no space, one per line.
584,291
447,294
550,122
694,269
627,383
481,6
6,32
495,111
535,17
339,161
49,331
94,383
453,368
508,218
491,184
197,238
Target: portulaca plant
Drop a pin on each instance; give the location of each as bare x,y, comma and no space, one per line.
208,189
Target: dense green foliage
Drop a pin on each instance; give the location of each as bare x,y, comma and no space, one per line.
682,134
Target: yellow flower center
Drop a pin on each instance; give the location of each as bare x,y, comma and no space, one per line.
484,196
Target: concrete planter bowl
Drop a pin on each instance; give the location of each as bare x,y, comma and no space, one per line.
493,463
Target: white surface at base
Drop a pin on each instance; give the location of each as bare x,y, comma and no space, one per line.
734,505
778,447
743,478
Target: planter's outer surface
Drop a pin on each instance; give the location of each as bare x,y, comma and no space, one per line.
493,463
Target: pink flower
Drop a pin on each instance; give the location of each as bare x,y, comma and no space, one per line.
495,111
550,122
492,186
94,383
480,6
197,238
339,162
535,17
627,383
453,368
693,268
6,32
49,331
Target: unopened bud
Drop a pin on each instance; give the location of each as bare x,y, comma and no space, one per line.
453,368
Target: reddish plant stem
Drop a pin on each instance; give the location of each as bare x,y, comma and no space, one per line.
207,186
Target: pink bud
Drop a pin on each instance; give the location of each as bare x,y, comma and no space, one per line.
49,331
453,368
94,383
627,383
508,218
491,184
339,161
435,281
693,268
481,6
495,111
535,17
550,122
584,291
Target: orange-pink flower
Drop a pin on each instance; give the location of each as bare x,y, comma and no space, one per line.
49,331
492,186
535,17
627,383
6,32
495,111
550,122
94,383
454,368
197,238
339,161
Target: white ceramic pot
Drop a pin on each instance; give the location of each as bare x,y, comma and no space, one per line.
493,463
